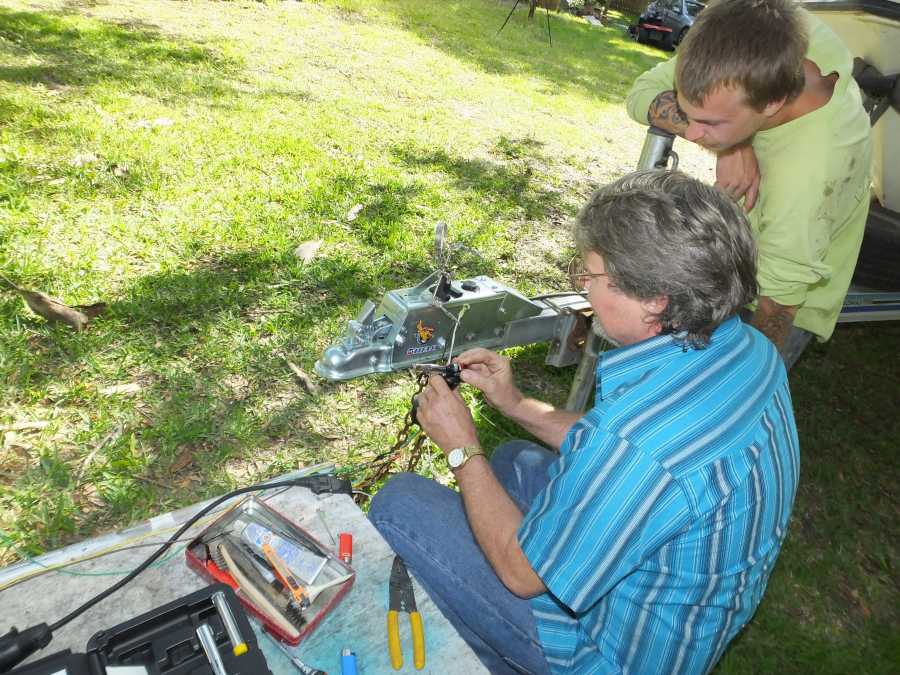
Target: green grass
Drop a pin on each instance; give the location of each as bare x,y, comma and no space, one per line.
168,157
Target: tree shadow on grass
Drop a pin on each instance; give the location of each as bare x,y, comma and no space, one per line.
386,205
239,283
58,49
205,346
504,185
165,316
600,62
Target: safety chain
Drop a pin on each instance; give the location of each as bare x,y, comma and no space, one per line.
380,467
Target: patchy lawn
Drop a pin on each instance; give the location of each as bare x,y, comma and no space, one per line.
169,157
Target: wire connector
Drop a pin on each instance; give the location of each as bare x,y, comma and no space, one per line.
15,647
323,483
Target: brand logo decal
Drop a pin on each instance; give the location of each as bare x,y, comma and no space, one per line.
423,333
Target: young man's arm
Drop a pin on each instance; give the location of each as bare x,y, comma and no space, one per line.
656,82
774,320
665,113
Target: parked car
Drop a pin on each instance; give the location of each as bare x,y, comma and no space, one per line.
666,22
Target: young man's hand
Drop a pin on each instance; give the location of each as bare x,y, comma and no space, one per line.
492,374
737,174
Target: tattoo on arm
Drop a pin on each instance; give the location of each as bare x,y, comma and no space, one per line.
774,321
665,113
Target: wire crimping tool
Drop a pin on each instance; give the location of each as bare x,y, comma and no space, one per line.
402,599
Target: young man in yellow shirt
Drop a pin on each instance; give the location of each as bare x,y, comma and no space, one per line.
768,88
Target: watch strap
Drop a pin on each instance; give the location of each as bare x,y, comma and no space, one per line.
468,452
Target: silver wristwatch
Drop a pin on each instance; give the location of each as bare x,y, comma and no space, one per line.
459,456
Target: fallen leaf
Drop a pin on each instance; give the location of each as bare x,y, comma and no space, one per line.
308,249
89,491
19,447
185,482
158,122
53,310
88,496
25,426
153,481
82,159
184,459
92,311
119,170
47,307
126,388
354,212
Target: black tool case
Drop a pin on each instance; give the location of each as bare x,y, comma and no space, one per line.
165,642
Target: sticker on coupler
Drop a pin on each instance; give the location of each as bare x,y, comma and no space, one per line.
423,333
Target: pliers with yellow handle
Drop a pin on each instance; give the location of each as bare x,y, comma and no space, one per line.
403,600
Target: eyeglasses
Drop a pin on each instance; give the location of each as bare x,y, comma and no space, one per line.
578,274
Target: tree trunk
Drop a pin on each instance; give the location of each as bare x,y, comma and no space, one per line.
532,5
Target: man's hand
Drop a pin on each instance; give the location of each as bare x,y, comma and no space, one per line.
444,416
737,174
492,374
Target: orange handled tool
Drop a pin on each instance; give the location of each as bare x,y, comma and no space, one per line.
402,599
284,574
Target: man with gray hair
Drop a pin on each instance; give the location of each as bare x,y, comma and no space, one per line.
644,540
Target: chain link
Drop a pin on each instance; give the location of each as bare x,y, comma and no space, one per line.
380,467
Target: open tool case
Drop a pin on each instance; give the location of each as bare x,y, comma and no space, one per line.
238,549
163,642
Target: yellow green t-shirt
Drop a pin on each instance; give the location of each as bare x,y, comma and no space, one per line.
809,219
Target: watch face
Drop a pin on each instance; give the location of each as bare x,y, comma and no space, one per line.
456,457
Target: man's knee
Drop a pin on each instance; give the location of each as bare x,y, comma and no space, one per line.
399,494
524,455
510,451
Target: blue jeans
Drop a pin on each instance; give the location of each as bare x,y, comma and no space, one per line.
425,523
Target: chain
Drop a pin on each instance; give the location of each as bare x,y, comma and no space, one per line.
380,467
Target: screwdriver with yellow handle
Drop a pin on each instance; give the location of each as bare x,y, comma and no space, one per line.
402,599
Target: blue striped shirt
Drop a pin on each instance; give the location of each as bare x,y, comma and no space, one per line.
666,510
